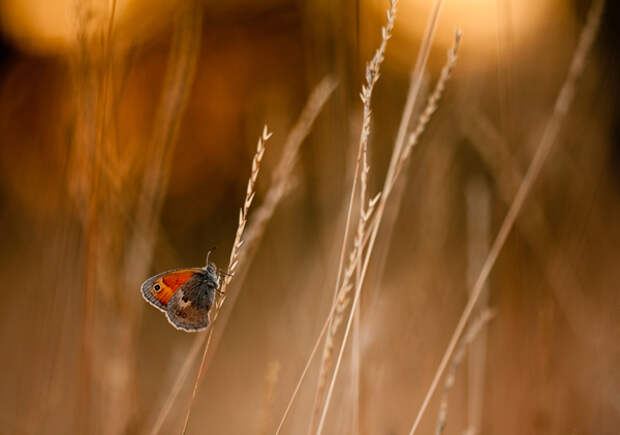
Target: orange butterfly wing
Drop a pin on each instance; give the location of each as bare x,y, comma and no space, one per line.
159,289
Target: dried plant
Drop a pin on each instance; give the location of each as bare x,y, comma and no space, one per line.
161,414
99,182
367,238
547,140
243,212
281,185
472,333
478,230
234,257
341,293
390,179
431,105
397,191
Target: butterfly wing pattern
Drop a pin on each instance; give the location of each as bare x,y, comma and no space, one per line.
159,289
189,307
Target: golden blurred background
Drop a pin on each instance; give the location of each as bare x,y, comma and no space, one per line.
128,129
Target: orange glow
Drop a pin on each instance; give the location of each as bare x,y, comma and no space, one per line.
483,22
51,25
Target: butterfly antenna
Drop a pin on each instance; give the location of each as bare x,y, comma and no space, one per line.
209,254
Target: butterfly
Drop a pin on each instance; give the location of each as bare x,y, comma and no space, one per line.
185,295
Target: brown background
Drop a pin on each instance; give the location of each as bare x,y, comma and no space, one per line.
553,349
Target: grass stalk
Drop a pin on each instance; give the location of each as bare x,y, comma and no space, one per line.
234,260
562,104
372,76
389,183
470,336
281,185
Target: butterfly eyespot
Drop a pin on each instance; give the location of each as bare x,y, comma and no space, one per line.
157,287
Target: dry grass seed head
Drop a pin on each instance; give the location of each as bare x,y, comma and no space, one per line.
366,207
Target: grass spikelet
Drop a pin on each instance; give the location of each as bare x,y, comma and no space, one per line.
280,186
282,183
457,359
237,244
372,76
433,101
387,188
243,212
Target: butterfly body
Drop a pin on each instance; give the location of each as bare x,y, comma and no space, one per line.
185,295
